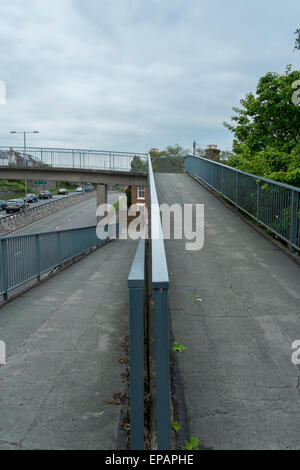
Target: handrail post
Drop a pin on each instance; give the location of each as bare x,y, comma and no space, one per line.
236,188
58,248
38,257
258,201
293,221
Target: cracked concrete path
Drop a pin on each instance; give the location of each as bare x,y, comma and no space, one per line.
241,388
64,343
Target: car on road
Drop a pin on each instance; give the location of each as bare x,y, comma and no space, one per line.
79,190
45,195
15,205
2,205
63,192
30,198
89,189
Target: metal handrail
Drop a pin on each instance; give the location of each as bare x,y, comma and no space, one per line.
258,178
136,285
61,149
160,285
73,158
274,205
26,257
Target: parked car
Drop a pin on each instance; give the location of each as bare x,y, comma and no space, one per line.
63,192
2,205
89,189
45,195
15,205
30,198
79,190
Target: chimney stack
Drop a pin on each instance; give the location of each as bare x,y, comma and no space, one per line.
212,152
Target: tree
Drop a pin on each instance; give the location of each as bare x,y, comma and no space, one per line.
297,41
138,164
269,118
171,151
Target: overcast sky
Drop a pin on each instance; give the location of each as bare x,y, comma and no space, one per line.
134,74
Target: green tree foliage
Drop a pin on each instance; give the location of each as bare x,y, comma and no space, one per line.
268,118
266,130
139,164
169,160
297,41
171,151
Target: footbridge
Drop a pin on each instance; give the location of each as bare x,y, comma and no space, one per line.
209,335
75,166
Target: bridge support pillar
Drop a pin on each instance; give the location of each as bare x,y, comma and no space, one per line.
101,196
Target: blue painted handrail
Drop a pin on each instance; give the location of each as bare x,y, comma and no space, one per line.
136,285
273,205
26,257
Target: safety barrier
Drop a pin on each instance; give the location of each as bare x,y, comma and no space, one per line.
274,205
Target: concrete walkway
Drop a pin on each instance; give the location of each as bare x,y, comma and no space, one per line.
64,341
241,389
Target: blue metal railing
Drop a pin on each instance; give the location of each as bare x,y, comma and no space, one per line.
73,158
160,286
275,206
26,257
136,285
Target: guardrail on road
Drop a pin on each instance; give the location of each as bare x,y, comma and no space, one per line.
274,205
10,223
26,257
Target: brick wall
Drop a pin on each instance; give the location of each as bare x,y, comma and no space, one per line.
136,195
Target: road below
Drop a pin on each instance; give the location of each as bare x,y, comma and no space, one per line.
79,215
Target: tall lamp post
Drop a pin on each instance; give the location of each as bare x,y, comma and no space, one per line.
24,153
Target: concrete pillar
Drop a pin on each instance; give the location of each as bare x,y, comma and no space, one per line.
101,196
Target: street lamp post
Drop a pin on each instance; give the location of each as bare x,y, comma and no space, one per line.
24,152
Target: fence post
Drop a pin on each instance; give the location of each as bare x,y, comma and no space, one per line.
58,248
236,188
294,223
4,267
258,199
38,257
162,361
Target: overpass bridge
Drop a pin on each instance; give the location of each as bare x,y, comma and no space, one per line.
74,165
234,305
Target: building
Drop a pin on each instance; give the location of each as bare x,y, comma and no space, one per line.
140,196
212,152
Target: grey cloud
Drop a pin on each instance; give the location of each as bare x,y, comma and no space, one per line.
129,74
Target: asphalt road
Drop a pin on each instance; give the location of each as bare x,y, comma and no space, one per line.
79,215
41,202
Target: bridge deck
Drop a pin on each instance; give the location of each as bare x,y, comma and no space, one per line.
241,388
64,341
